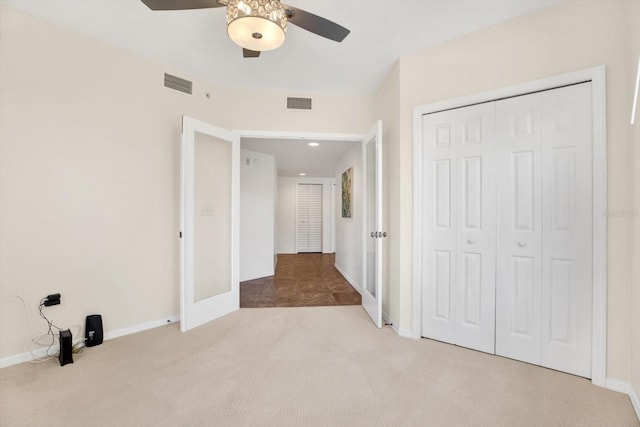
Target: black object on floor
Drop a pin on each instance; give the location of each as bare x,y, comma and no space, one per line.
93,330
66,347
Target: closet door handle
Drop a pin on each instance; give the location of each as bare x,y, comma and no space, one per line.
471,241
522,243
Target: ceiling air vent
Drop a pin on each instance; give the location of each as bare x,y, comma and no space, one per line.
177,83
299,103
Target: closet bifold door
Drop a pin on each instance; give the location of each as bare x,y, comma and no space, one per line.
302,220
567,230
459,227
309,218
544,282
476,227
439,224
315,218
519,214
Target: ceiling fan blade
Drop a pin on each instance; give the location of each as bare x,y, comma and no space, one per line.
250,53
182,4
316,24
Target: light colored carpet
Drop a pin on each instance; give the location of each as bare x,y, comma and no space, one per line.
324,366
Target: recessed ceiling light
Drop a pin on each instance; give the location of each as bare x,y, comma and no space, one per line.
313,144
303,174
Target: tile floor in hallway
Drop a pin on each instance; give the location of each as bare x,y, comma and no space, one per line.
301,280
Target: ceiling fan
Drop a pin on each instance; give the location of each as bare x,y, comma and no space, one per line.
259,25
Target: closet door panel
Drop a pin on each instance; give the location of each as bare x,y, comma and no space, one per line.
302,218
441,134
519,214
567,282
475,219
315,218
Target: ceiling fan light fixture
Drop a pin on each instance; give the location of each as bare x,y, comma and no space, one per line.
257,25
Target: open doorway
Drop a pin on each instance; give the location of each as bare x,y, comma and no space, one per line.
292,207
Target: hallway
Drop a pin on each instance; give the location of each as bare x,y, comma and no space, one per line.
301,280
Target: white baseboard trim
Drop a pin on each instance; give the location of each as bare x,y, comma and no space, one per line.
635,401
41,352
349,279
25,357
256,276
626,388
394,327
407,333
141,327
617,385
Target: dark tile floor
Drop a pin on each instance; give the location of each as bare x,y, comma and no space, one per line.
301,280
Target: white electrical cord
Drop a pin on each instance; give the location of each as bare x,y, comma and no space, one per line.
35,343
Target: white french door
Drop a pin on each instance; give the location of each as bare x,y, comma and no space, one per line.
459,224
210,179
309,217
373,233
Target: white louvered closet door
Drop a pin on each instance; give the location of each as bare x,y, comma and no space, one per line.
309,218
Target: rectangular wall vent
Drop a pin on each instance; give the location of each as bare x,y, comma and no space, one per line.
299,103
177,83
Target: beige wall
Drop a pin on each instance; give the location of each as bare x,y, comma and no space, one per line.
635,291
89,174
387,108
567,37
348,231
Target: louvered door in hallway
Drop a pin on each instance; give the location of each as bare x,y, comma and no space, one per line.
309,218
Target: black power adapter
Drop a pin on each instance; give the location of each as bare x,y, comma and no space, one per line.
53,299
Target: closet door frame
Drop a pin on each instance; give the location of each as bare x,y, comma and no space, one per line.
596,76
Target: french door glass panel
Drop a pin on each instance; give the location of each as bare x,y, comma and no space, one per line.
372,225
372,220
209,285
212,219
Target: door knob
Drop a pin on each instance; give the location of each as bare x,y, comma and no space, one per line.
374,234
522,244
384,234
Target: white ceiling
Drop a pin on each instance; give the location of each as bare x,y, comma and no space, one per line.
294,156
195,41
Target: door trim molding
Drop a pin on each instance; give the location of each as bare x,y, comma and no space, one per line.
597,76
